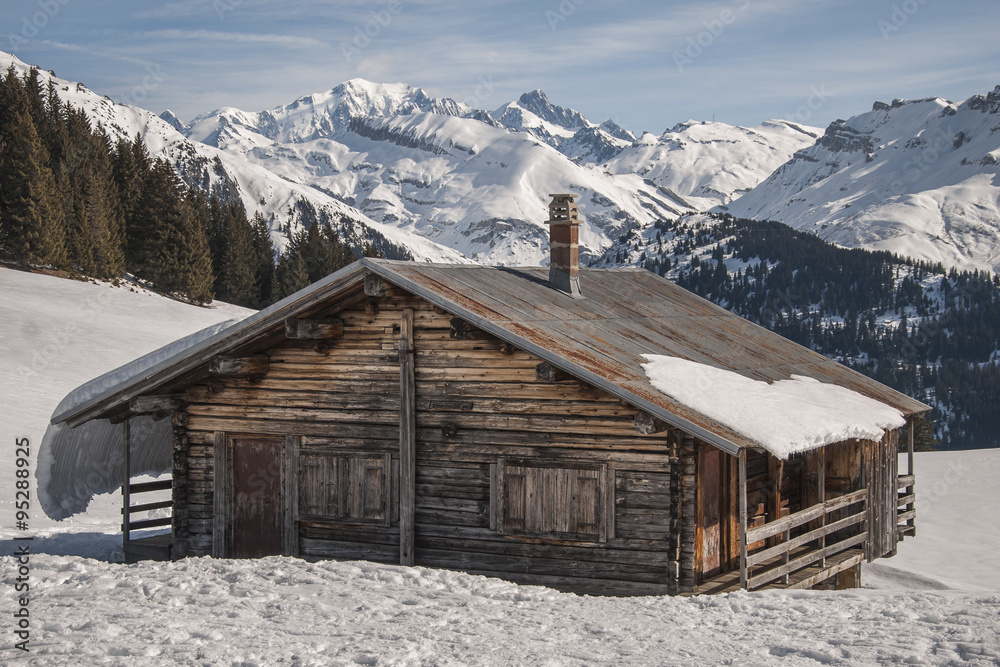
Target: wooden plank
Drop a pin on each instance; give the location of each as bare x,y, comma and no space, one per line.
221,513
290,484
407,439
150,523
126,483
827,572
146,487
905,481
146,507
816,534
230,366
905,516
329,328
805,560
742,462
790,521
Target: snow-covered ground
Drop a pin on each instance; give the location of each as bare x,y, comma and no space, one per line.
936,602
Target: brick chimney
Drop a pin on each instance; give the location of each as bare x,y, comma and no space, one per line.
564,239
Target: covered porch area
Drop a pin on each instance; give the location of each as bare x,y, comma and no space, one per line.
806,522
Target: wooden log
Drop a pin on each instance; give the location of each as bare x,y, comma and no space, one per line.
647,424
407,440
459,329
157,405
329,328
376,286
546,372
228,366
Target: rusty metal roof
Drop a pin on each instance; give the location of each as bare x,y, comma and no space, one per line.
625,313
600,339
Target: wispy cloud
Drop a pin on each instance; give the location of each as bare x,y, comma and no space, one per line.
78,48
290,41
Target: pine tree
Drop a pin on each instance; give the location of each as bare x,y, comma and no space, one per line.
236,271
131,165
176,257
263,259
31,214
290,275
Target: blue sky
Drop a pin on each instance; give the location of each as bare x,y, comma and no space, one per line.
646,65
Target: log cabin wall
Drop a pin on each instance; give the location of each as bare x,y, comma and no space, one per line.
497,446
524,478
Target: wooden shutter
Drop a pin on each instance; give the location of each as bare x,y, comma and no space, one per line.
347,487
566,503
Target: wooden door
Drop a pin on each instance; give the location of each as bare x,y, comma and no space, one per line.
711,495
257,497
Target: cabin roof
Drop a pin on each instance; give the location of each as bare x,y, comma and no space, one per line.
600,339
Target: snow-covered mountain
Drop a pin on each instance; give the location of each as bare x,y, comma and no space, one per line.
229,174
478,181
918,177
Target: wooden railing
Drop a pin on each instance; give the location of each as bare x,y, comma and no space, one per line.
129,491
906,508
809,548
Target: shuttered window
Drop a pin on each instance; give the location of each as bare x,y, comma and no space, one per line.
345,486
559,502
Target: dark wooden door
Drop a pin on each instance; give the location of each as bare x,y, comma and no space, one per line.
257,508
710,486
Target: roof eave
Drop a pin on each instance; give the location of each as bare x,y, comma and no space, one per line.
115,398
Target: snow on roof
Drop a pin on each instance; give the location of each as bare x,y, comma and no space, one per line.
783,417
75,464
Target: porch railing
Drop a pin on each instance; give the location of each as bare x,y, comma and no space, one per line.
807,549
906,508
129,491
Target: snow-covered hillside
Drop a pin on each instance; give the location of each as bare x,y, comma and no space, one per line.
936,602
228,174
916,177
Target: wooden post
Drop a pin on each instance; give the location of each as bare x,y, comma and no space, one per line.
911,523
407,439
821,498
909,446
126,487
743,518
290,481
220,495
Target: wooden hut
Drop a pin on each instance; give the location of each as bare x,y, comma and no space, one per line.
498,421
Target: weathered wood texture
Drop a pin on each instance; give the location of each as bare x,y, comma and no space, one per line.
476,401
881,470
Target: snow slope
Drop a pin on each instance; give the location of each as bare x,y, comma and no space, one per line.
937,602
917,177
